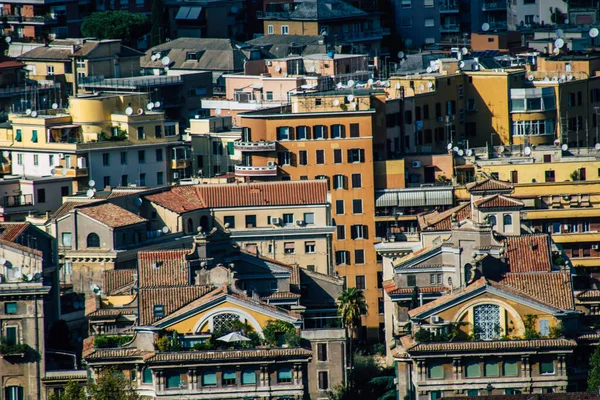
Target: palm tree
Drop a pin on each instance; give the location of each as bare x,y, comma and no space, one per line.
351,306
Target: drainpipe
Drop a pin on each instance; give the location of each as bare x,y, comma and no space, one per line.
37,349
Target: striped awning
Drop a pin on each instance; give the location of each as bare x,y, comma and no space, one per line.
386,200
411,198
438,197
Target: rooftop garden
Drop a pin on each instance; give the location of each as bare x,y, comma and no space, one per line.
104,341
8,348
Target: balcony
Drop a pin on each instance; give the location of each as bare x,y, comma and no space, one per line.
265,170
254,146
450,28
180,164
494,6
36,20
71,172
369,34
448,7
17,200
498,25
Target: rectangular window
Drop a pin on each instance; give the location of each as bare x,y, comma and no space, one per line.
209,378
229,378
357,206
289,248
309,247
285,29
284,375
11,335
248,377
34,136
472,393
270,29
435,370
123,158
67,239
288,219
322,351
41,195
309,218
359,256
19,159
411,280
320,132
341,232
320,156
19,135
342,257
360,282
510,368
157,131
142,156
142,179
337,131
51,160
545,323
473,369
549,175
302,132
229,220
323,380
356,155
356,181
160,178
10,308
124,180
337,157
354,130
358,231
105,159
339,182
250,221
429,22
159,311
339,207
159,155
303,157
106,181
173,379
284,158
547,367
141,133
36,159
491,368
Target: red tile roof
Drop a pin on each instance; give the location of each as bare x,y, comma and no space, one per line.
20,247
163,268
67,206
589,294
111,215
551,288
444,299
181,199
281,295
432,289
253,354
171,298
529,253
489,185
443,221
116,279
10,231
495,345
498,201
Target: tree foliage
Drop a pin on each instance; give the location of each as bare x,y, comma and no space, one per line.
366,381
352,306
111,384
73,391
594,374
122,25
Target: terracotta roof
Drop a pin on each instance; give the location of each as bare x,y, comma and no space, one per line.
111,215
20,247
295,277
529,253
593,335
589,294
444,299
415,254
495,345
181,199
107,312
443,221
281,295
115,354
117,279
11,64
163,268
433,289
498,201
67,206
228,355
171,298
551,288
10,231
489,185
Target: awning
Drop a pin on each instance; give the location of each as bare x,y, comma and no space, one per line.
289,246
194,13
387,200
257,86
182,13
438,197
310,243
411,199
63,126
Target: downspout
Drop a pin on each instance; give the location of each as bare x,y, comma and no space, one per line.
37,349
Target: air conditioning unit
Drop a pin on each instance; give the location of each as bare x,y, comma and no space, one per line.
175,175
436,319
270,163
300,222
416,164
595,246
276,221
61,156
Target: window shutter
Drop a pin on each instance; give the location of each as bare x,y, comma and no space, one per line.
325,132
345,180
365,231
291,133
350,158
362,155
347,256
353,233
338,257
308,136
293,159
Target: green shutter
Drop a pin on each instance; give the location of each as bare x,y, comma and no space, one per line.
491,369
436,394
473,370
472,393
229,375
510,368
34,136
147,376
230,149
209,379
10,308
19,135
547,367
436,371
11,335
248,377
173,381
284,373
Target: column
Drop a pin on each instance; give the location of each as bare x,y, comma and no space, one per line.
525,367
191,375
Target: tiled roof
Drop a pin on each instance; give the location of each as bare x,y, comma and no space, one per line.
48,53
67,206
592,335
528,253
498,201
281,295
278,46
115,354
444,299
295,277
551,288
163,268
322,10
433,289
117,279
443,221
497,345
106,312
589,294
228,355
181,199
111,215
10,231
415,254
20,247
489,185
171,298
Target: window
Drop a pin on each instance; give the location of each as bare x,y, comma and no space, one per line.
360,282
284,375
491,368
411,280
284,158
337,157
229,377
547,367
159,155
358,231
142,156
473,369
429,22
67,239
41,195
34,136
354,130
285,29
229,220
19,135
141,133
545,324
549,175
510,368
357,206
302,133
160,178
36,159
157,131
356,155
339,207
209,378
19,159
435,370
124,180
472,393
342,257
123,158
356,181
339,182
323,380
250,221
487,320
337,131
147,375
159,311
309,218
428,3
93,240
10,308
105,159
406,22
309,247
50,69
173,379
248,377
270,30
289,248
322,351
320,132
359,256
142,179
303,157
51,160
512,391
507,220
13,393
320,156
341,232
288,219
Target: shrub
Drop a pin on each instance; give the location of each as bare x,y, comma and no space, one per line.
102,341
274,328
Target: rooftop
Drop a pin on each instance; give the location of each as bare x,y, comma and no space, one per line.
111,215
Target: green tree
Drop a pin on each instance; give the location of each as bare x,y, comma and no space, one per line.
594,374
73,391
111,384
367,380
122,25
351,306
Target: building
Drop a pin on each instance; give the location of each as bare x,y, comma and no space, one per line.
65,62
282,46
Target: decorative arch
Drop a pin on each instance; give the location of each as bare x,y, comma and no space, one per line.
228,310
516,317
93,240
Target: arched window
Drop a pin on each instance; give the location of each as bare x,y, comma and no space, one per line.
204,223
190,225
224,321
492,220
507,220
146,375
93,240
13,393
486,320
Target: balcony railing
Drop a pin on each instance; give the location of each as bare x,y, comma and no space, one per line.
450,28
448,7
42,19
255,146
495,6
72,172
366,34
17,200
179,164
498,25
265,170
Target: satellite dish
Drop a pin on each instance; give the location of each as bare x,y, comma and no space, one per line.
52,172
138,202
92,183
28,111
6,153
165,229
561,80
37,276
429,84
54,106
2,260
530,78
501,149
555,79
8,39
277,68
460,153
597,146
196,181
336,102
64,172
485,27
455,149
353,105
140,111
527,151
157,104
565,147
559,43
559,33
150,106
569,77
165,61
557,142
421,88
350,97
556,51
429,70
546,79
370,82
218,111
449,146
397,86
594,32
400,54
129,111
18,274
89,193
469,152
29,277
34,114
461,64
351,83
464,51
